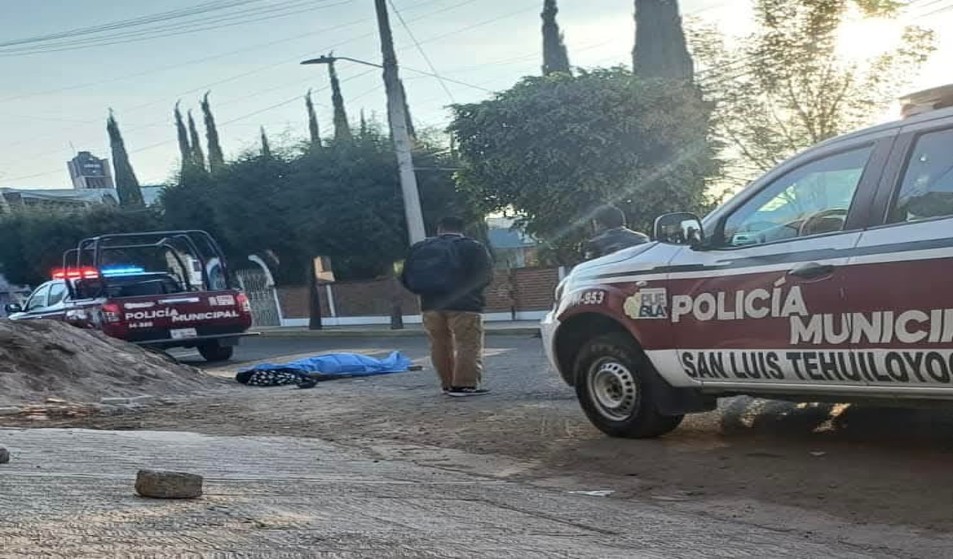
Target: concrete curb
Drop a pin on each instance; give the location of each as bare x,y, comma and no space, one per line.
387,333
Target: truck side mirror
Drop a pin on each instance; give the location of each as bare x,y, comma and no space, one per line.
13,308
681,228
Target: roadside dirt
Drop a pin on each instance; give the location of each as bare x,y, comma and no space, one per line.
832,464
46,359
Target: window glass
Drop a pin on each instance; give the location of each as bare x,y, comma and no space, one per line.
57,294
38,299
811,200
927,188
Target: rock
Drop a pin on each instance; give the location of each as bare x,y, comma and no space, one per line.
168,485
4,455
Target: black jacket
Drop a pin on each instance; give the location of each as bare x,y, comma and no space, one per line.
613,240
478,273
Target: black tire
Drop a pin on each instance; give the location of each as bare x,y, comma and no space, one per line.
213,352
615,384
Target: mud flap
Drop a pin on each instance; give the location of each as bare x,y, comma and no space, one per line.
670,400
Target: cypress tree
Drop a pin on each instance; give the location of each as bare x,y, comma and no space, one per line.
198,157
660,47
185,150
555,57
216,159
363,125
127,185
312,121
265,146
342,129
410,121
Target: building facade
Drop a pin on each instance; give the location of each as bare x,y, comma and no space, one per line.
90,172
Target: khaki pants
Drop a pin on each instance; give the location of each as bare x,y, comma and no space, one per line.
456,347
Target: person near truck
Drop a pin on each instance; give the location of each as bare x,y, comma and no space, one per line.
449,273
612,235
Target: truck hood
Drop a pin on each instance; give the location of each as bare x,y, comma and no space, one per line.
637,258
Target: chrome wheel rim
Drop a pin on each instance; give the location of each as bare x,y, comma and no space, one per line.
613,389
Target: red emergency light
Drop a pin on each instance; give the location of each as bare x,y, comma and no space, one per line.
86,272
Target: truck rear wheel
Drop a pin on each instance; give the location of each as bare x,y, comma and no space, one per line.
616,384
214,352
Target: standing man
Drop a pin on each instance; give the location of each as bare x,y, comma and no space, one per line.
449,273
611,233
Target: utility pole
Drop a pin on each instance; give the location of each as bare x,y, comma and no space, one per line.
398,125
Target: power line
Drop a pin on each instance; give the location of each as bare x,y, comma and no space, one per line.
134,22
423,53
207,86
220,23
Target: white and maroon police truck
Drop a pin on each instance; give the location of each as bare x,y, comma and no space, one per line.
830,278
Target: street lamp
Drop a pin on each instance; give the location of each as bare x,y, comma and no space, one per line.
402,143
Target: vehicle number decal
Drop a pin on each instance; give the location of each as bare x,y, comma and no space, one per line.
591,297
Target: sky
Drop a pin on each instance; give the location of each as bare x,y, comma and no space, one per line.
54,102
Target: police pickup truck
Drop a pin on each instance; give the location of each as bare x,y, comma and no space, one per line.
827,279
144,288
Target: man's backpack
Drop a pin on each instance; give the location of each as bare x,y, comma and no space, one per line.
435,266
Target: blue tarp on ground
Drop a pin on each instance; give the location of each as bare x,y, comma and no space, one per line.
323,367
342,364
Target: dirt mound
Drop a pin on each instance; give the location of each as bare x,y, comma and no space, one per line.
43,359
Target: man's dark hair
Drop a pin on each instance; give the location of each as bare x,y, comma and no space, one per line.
609,217
451,224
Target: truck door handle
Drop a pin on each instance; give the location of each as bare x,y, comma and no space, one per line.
812,270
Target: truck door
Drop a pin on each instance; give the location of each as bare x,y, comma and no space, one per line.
899,281
743,309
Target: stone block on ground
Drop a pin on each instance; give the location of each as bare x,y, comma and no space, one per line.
168,485
4,455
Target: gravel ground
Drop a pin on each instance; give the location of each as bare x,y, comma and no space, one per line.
863,476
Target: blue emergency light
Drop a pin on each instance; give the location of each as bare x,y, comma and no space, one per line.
121,271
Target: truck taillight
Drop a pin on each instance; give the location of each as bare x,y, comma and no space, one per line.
111,313
243,303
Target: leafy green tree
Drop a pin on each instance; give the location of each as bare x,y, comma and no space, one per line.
127,185
342,127
553,148
785,87
660,47
216,159
555,56
35,240
188,202
314,131
251,210
198,157
185,150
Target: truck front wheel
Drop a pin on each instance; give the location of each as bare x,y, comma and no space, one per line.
214,352
616,385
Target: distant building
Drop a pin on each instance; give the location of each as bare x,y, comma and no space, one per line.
13,199
90,172
511,247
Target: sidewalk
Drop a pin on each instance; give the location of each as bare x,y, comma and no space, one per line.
509,328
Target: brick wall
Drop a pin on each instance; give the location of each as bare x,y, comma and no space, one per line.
526,289
294,302
535,288
371,298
